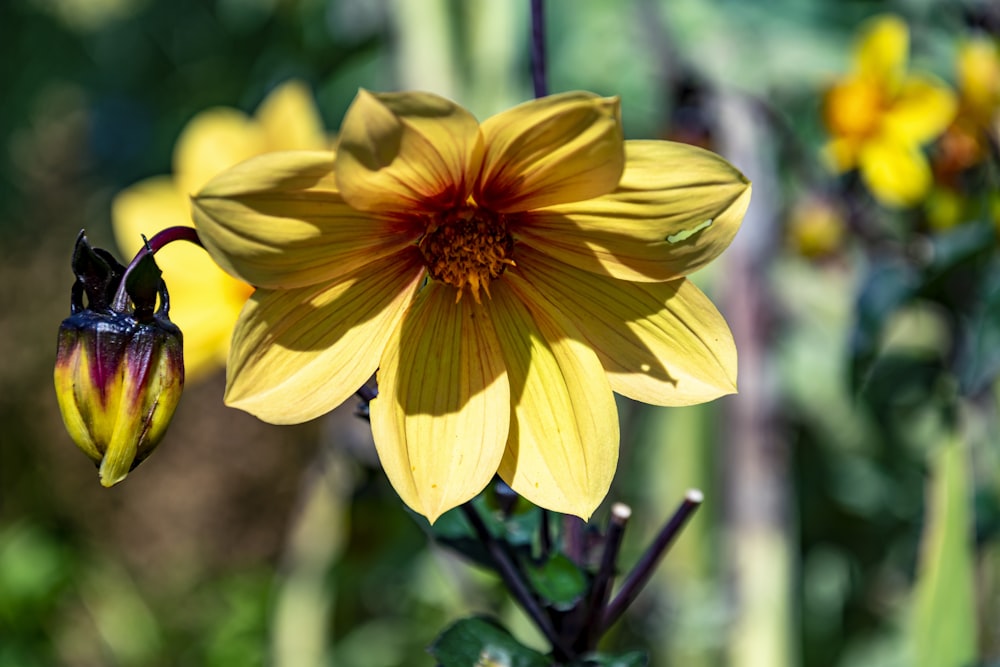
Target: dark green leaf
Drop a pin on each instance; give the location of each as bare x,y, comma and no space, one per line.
902,380
483,641
887,287
629,659
956,249
453,531
558,580
519,531
979,360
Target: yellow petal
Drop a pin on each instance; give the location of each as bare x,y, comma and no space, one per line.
978,72
290,119
882,50
80,399
853,107
897,174
401,152
841,154
299,353
145,397
676,209
661,343
204,300
554,150
279,221
212,141
441,418
923,110
563,446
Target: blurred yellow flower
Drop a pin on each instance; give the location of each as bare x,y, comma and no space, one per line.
978,71
880,115
503,278
205,301
816,227
966,142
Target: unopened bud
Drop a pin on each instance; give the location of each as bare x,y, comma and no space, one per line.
119,362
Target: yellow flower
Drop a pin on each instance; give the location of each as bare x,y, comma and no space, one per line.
966,142
206,301
880,115
504,278
816,227
978,71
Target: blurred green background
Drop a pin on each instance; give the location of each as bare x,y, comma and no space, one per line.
241,543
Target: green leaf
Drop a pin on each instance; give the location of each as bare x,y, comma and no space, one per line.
944,618
959,250
558,580
482,642
518,531
979,362
629,659
887,287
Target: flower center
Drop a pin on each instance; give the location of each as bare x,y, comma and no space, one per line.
467,247
854,108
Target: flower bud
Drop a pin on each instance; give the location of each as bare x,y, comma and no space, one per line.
119,361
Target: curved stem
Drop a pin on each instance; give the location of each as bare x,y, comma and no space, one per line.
159,240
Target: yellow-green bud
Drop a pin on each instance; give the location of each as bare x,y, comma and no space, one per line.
119,363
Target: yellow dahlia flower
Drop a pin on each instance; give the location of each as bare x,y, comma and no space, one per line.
880,115
504,278
206,301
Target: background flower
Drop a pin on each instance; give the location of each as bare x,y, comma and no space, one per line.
881,114
205,300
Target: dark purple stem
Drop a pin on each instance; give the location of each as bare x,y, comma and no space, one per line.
513,579
643,570
159,240
600,590
367,394
538,48
574,539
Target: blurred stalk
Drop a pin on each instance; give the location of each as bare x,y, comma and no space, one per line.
303,622
125,625
679,457
426,55
496,51
755,455
943,623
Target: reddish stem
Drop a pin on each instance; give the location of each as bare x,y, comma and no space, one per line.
159,240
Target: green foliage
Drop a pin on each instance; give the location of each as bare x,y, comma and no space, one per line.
943,630
559,581
482,641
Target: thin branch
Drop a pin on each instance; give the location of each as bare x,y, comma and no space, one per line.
538,74
600,589
643,570
512,578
